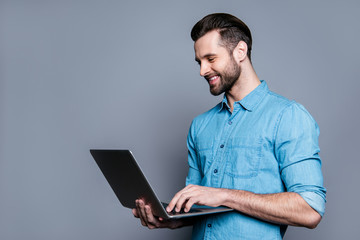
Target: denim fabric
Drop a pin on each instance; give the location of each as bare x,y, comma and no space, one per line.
268,144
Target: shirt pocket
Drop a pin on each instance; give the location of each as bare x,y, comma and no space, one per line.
205,151
244,157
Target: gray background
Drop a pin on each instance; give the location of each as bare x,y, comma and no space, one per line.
77,75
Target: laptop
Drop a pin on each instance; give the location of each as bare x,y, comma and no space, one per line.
129,183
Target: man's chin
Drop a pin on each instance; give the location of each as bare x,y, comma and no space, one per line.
215,91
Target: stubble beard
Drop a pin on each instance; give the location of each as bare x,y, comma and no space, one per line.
227,79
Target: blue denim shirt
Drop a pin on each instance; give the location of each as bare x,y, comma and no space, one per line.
268,144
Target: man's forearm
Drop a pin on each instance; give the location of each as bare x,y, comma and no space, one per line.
287,208
284,208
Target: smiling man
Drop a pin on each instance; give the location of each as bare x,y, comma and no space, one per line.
255,151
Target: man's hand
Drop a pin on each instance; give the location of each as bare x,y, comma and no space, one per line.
147,218
194,194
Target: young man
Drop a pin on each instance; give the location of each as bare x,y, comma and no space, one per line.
255,152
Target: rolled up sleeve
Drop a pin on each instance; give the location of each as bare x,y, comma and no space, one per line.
297,151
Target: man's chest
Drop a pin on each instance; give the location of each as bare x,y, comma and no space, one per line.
236,148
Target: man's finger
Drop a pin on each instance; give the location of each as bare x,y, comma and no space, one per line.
173,202
189,204
151,220
176,197
190,192
142,209
141,215
135,213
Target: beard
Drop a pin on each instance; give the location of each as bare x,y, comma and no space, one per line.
227,78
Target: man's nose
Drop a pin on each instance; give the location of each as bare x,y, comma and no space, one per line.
204,69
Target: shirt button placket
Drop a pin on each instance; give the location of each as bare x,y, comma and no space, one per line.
208,231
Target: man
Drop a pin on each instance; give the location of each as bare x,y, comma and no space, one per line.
255,152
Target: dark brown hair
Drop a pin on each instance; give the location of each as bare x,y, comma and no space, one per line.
232,30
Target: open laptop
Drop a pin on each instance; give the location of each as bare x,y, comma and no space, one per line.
129,183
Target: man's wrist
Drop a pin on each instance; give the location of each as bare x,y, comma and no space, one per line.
228,197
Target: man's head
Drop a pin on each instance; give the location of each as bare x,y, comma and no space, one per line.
220,48
231,29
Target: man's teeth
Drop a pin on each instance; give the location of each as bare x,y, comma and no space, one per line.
213,78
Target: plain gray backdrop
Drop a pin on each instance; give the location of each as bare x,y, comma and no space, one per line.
76,75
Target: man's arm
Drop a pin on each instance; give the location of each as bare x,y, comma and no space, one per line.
287,208
147,218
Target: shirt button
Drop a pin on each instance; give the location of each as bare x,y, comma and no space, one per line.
230,122
215,171
209,225
222,146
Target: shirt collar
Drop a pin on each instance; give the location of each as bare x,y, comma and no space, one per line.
250,101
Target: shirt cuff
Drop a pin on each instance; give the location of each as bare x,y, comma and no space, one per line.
315,201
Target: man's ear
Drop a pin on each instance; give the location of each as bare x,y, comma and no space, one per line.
240,52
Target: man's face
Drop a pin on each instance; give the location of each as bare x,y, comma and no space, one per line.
217,66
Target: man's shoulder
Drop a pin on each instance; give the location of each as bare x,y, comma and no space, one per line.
286,107
278,104
279,100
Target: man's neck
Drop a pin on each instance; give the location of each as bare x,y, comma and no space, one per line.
246,83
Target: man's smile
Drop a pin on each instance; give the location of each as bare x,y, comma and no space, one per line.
213,79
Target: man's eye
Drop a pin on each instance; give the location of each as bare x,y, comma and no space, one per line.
211,59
